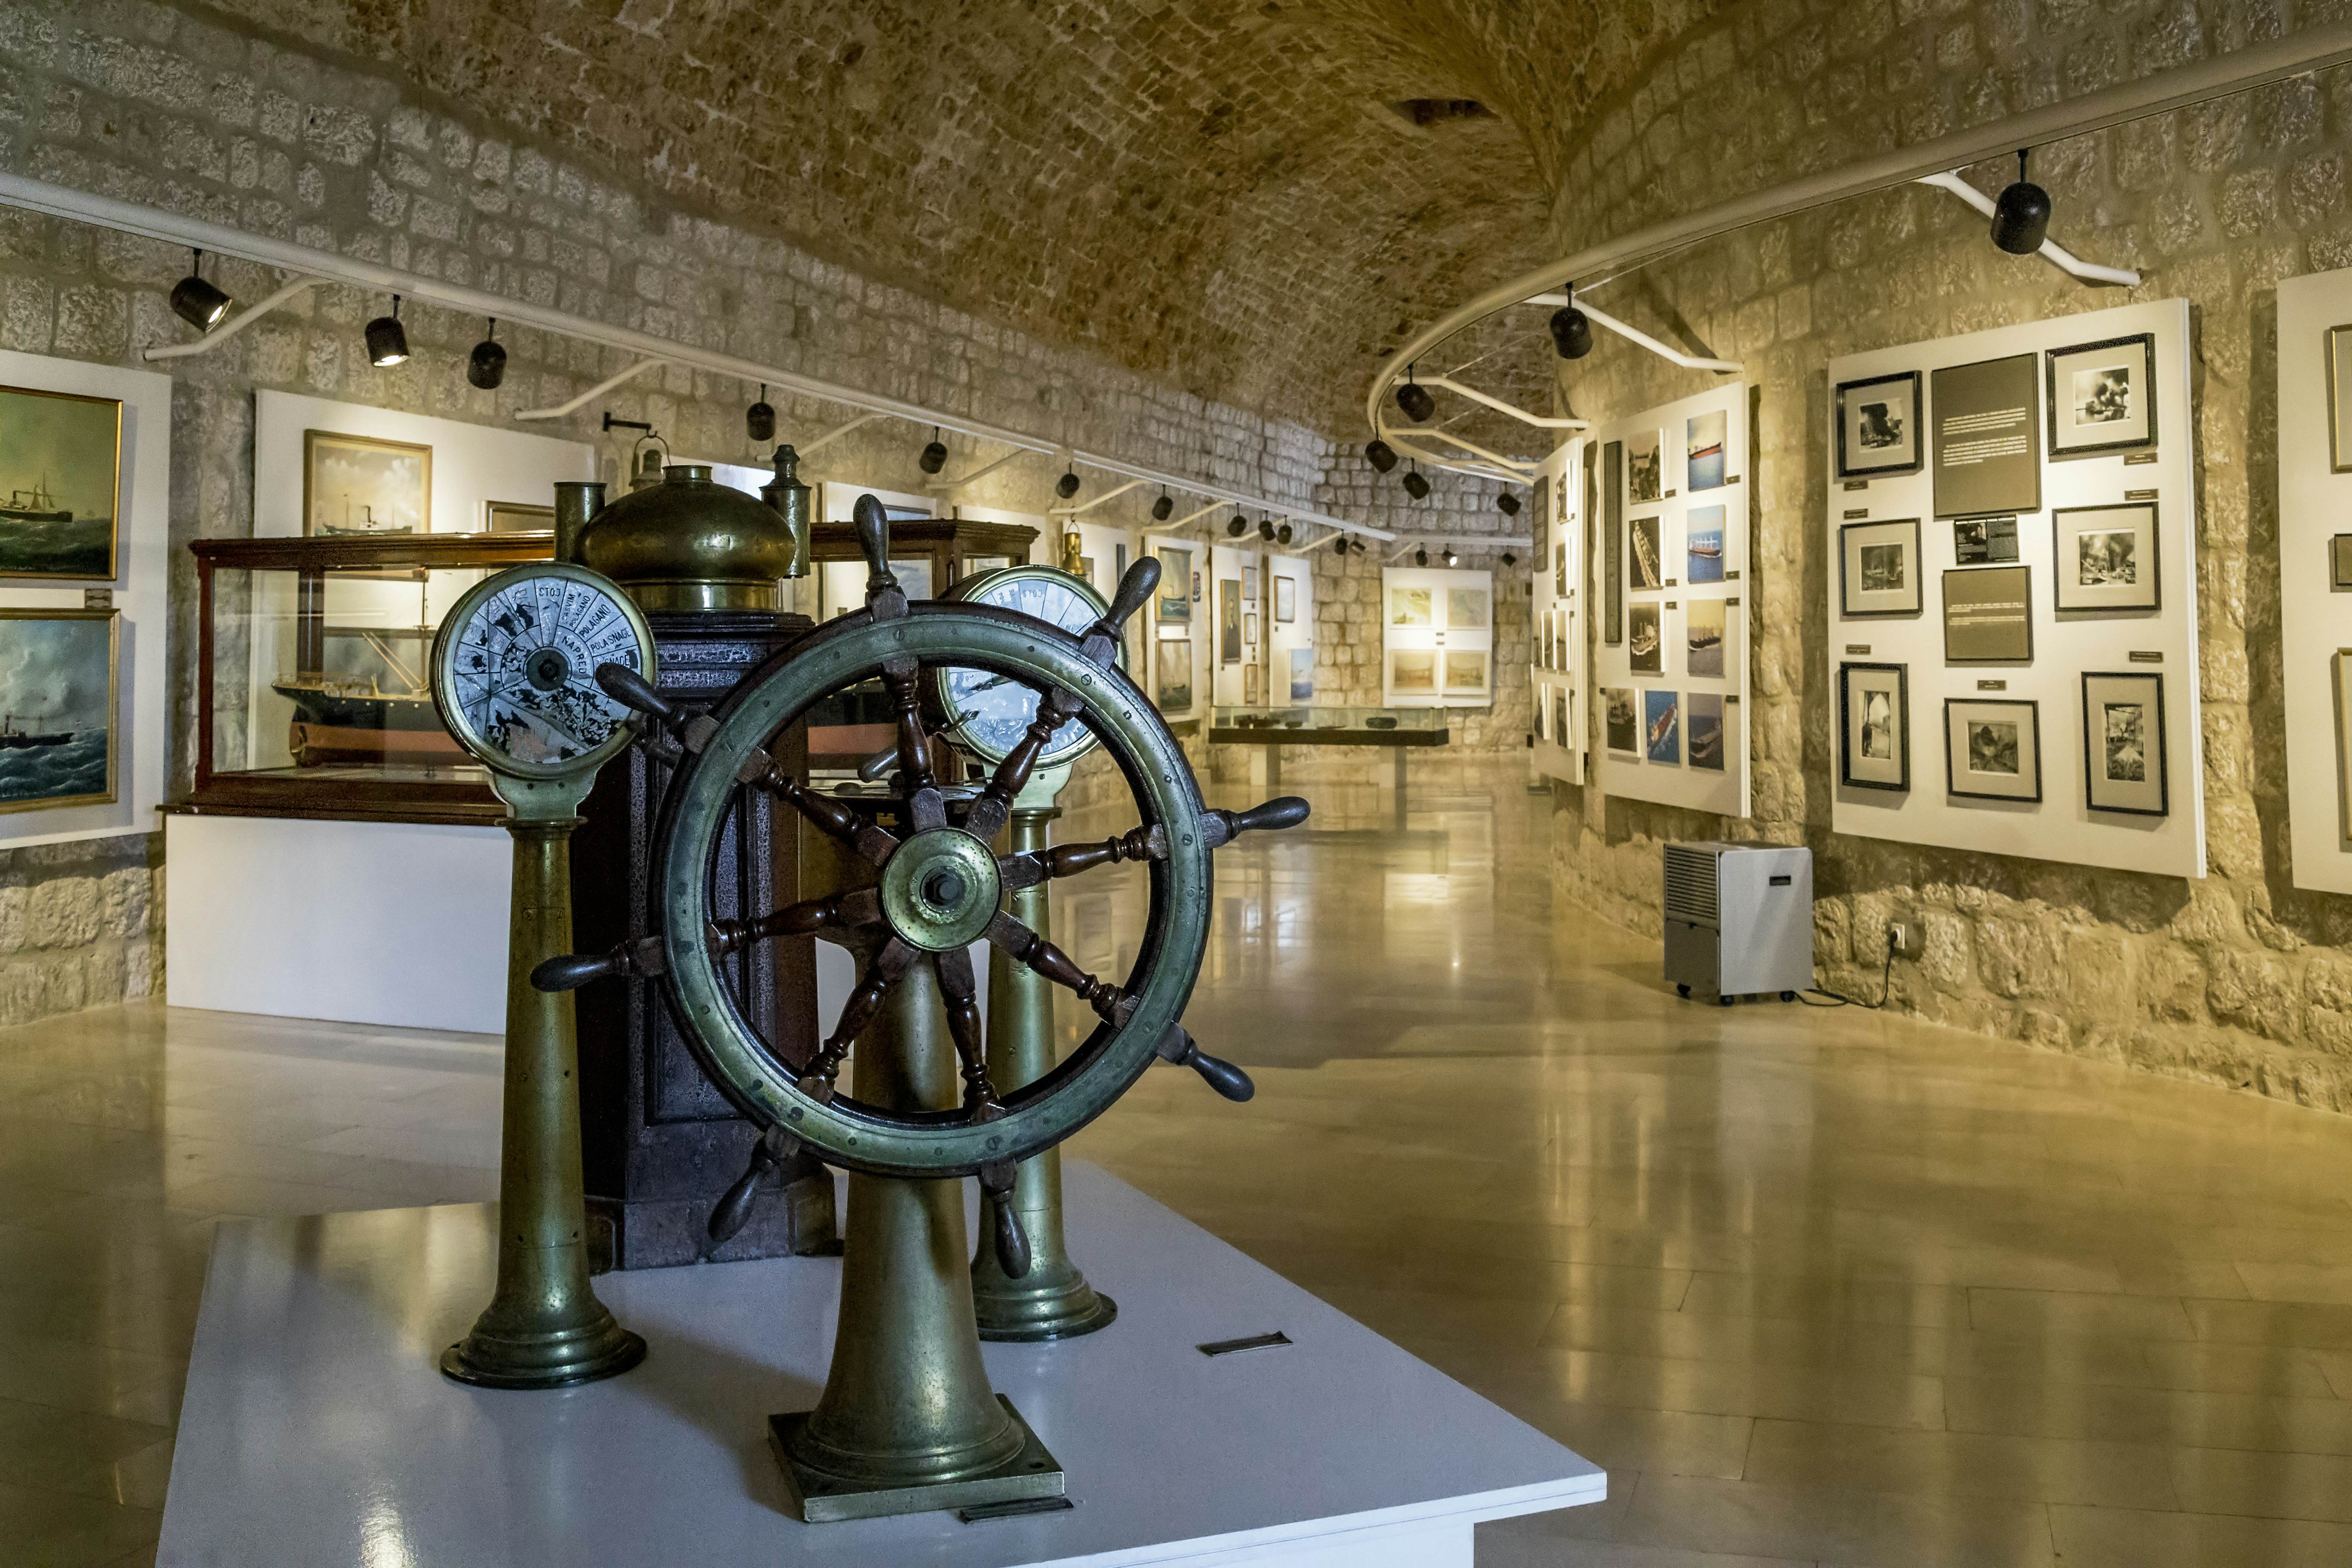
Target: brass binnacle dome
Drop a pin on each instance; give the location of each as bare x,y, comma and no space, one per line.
691,543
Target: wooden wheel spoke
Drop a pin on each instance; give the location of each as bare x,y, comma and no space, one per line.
1031,867
1056,707
829,815
957,993
881,971
832,917
1111,1004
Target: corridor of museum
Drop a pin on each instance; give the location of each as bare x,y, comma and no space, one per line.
1221,784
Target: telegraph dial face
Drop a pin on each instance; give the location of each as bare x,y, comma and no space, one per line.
514,670
988,713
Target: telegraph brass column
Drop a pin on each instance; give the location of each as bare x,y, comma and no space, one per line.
1052,1301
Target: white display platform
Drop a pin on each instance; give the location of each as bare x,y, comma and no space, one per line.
316,1430
391,923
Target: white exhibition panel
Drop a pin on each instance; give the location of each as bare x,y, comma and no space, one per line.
1198,632
317,1429
1296,634
473,464
1686,531
1437,623
1556,631
2062,826
402,925
141,594
2314,506
1233,566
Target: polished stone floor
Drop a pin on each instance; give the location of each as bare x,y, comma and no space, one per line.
1817,1286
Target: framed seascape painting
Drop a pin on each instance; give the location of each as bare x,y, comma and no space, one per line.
1874,714
1704,727
1302,671
1175,589
1646,468
1703,451
1662,732
1878,427
1878,568
61,470
1706,626
1703,545
357,487
1993,750
1622,721
2102,396
2105,556
59,708
1172,673
2123,743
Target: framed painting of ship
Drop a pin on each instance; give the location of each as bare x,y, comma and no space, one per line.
359,487
59,708
60,474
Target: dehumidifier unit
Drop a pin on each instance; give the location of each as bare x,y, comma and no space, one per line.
1740,919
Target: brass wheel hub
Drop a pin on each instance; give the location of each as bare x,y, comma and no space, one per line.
940,890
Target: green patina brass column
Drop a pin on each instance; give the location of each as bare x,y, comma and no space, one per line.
1052,1301
544,1326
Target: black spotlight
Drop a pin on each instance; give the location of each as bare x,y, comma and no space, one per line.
2020,218
1237,526
1380,454
760,419
1414,399
935,455
387,340
1357,545
1571,332
197,302
1420,557
1448,555
1266,529
1340,545
1163,507
1507,504
1416,484
1282,534
1509,559
487,365
1067,485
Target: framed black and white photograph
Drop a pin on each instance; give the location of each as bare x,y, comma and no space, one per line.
1988,615
1647,563
2339,399
2102,396
2339,562
1622,714
1704,726
1644,641
1878,427
2123,743
1646,468
1992,750
1875,716
1706,630
2105,556
1878,568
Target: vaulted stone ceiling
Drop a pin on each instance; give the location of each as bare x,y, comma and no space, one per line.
1218,193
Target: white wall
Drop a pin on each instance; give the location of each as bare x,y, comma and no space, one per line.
472,464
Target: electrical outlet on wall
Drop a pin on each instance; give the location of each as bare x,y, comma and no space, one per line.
1903,938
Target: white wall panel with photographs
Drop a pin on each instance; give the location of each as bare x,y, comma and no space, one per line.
1556,634
1439,643
1289,630
1184,628
2013,608
2315,546
1670,664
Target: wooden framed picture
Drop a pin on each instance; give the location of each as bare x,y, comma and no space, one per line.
2339,562
2105,556
1988,615
524,517
2339,398
1622,728
1172,673
1878,427
1878,568
60,473
1662,727
1992,750
1286,600
2123,742
1704,727
1175,587
2102,396
1874,719
60,708
357,487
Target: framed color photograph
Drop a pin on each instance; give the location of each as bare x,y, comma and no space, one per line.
1286,600
356,486
60,468
59,708
1878,427
2105,557
1875,717
1987,441
1878,568
2339,399
1988,615
1645,643
1703,451
2102,397
1229,620
1706,626
1705,724
1646,468
1175,589
1413,672
1465,671
1648,560
2123,743
1173,673
1703,545
1993,750
1622,719
1662,727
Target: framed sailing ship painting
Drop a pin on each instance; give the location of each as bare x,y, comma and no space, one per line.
61,475
59,708
358,486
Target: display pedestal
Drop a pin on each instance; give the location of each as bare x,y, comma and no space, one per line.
315,1428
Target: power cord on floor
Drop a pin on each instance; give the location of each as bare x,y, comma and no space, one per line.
1839,999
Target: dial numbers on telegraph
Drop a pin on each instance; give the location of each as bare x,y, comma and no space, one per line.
525,672
995,710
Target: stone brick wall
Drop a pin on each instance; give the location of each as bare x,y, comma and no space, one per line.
2235,978
81,925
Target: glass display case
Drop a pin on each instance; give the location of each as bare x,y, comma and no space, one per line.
313,675
1359,726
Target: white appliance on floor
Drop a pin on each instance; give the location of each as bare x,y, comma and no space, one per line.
1740,919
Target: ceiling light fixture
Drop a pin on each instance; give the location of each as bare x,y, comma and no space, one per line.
1236,525
1379,454
1282,534
1067,485
486,367
1420,557
1266,529
1340,545
1414,399
2020,218
760,419
1448,556
1507,504
1163,507
1572,331
1416,484
387,340
197,302
935,455
1509,559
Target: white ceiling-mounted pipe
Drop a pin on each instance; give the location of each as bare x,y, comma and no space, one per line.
1068,510
1505,470
2052,251
593,392
1189,517
1541,421
234,325
1636,335
827,437
2297,54
944,485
